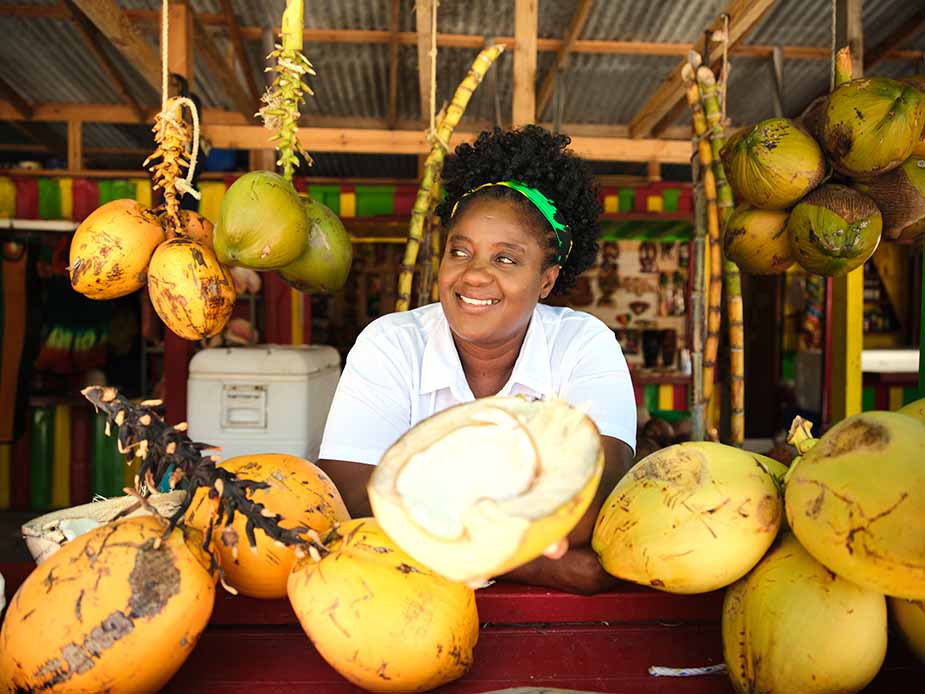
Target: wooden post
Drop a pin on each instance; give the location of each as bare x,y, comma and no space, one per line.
424,17
848,290
75,150
525,23
177,350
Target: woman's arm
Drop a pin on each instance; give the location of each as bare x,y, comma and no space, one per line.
351,480
579,571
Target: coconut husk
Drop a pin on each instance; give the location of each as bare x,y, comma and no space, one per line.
900,195
811,118
46,534
756,240
917,81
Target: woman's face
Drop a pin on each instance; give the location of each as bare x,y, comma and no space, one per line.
492,273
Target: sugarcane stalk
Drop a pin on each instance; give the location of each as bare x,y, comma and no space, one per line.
705,155
433,165
281,102
710,97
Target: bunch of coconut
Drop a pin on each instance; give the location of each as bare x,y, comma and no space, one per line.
822,190
812,615
264,224
123,246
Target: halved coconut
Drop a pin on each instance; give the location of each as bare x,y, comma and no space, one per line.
481,488
47,534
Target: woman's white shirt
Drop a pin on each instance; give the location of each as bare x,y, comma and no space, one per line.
404,367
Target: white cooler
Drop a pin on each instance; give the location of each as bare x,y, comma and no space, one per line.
262,399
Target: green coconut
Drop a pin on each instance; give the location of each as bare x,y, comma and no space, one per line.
872,125
325,263
773,164
757,241
834,229
261,224
918,81
900,195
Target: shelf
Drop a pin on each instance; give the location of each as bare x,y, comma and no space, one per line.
643,377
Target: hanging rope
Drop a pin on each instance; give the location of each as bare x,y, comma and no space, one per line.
172,135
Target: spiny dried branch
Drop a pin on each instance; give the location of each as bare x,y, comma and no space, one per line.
171,158
282,100
162,448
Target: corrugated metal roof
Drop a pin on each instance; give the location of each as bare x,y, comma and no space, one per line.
46,60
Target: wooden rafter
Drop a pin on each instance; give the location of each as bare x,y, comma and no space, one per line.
237,42
424,14
743,15
94,43
525,25
222,72
393,63
416,142
118,28
579,19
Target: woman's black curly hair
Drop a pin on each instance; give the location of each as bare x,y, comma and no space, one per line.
540,159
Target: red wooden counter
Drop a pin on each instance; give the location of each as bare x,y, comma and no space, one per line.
529,637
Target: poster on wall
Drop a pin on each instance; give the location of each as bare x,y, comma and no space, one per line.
639,290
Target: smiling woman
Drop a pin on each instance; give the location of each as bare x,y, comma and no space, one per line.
521,217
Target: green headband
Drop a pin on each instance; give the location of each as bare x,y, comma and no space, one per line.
546,207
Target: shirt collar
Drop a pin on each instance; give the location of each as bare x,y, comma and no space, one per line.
441,368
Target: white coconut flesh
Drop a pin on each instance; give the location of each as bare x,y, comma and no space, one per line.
460,491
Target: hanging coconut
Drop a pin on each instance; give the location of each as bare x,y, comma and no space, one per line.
757,241
117,609
325,263
917,81
811,118
196,227
909,616
298,491
872,125
690,518
773,164
900,196
792,626
380,618
191,291
834,229
481,488
856,501
261,223
111,248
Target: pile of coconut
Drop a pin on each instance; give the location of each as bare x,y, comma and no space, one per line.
822,190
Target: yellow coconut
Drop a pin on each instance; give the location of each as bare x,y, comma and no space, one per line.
773,164
914,409
689,518
481,488
111,248
113,610
856,502
757,240
793,626
909,616
381,619
191,291
298,491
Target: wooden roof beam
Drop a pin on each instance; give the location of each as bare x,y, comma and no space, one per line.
424,15
577,24
237,42
223,73
393,63
118,28
415,142
744,15
22,109
525,26
93,41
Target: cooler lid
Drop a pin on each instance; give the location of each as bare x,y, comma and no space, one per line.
265,359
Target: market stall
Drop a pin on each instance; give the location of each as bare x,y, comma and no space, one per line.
179,303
